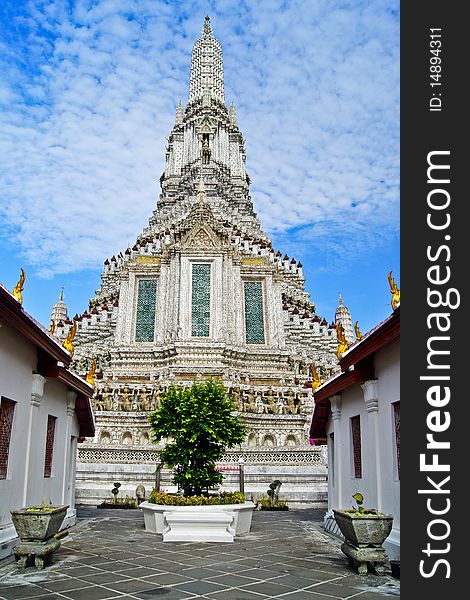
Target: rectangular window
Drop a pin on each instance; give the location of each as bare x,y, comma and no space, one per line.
201,300
396,422
146,305
50,434
7,409
254,318
356,446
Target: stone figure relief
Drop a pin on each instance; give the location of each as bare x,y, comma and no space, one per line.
126,403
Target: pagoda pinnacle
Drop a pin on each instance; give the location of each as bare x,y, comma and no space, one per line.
232,115
207,25
206,67
179,114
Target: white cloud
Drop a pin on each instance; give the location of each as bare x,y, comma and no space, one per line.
88,97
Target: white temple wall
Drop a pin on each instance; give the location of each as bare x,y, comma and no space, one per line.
379,483
35,399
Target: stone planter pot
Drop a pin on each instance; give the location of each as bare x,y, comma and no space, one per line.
213,523
36,530
364,536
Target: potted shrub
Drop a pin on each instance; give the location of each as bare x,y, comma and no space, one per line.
200,424
37,527
126,502
272,502
364,530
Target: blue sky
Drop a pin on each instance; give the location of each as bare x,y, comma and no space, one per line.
88,92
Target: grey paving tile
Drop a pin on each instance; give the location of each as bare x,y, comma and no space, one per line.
115,566
306,595
60,585
232,580
130,586
20,591
261,573
336,590
105,577
235,594
79,570
200,587
93,593
139,571
200,572
169,579
163,593
270,588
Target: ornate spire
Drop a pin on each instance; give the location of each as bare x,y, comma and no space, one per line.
207,67
232,115
207,25
179,114
343,317
59,310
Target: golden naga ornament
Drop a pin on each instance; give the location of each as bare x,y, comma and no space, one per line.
19,287
316,379
52,327
357,331
394,291
68,342
342,342
90,377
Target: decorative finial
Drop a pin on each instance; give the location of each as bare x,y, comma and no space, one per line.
232,115
207,25
68,342
394,291
179,114
90,377
340,299
342,342
61,295
358,331
19,287
201,191
316,379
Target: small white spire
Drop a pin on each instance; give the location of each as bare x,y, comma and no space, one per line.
232,115
179,114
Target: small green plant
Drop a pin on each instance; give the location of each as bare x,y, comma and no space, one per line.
359,510
43,507
157,497
359,498
273,491
115,492
272,502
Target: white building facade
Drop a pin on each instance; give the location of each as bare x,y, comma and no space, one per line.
45,410
357,413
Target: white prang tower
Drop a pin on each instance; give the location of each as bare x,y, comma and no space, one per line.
202,293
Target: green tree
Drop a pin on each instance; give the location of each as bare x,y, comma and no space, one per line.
199,426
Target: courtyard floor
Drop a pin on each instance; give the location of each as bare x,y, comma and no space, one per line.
108,554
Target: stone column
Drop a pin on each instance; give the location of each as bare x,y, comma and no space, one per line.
336,500
37,391
371,398
68,475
